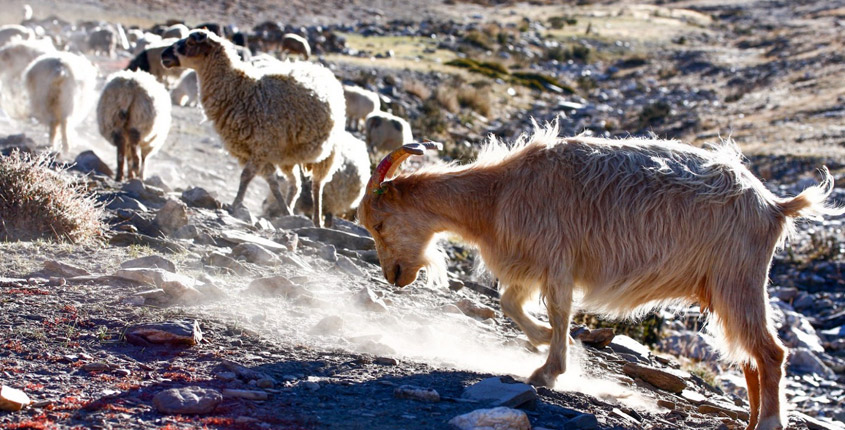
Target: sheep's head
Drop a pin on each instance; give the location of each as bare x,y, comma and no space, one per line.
190,51
403,235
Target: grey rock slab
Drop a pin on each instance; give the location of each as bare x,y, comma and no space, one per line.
245,394
56,268
200,198
219,260
182,332
625,344
657,377
331,324
582,422
89,162
172,216
187,400
139,275
254,253
419,394
370,301
474,310
497,392
126,239
126,202
276,286
347,266
151,195
803,361
235,237
291,222
500,418
149,262
337,238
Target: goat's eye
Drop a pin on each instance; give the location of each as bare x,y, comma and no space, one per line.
378,227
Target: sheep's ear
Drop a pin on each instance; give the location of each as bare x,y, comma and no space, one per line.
198,37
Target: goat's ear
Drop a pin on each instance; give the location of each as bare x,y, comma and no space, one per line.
386,192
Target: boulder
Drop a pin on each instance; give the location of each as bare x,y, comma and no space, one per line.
89,162
181,332
200,198
497,391
187,400
500,418
172,216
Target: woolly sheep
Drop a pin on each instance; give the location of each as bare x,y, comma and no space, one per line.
359,104
14,58
630,224
186,90
175,31
11,33
103,41
296,44
60,87
386,132
345,189
279,116
134,115
149,60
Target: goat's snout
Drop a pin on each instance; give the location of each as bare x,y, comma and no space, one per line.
393,274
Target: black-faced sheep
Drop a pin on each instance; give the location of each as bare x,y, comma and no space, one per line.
386,132
629,224
60,87
281,116
359,104
149,60
296,44
134,115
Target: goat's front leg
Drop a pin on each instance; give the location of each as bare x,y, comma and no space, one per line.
513,300
559,306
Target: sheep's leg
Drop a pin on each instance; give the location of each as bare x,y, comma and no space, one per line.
295,186
276,189
65,141
559,306
752,380
134,153
144,153
317,198
120,144
54,131
247,174
512,301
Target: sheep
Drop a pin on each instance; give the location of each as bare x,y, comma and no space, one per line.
386,132
631,224
296,44
186,90
11,33
103,41
14,58
213,27
60,87
345,189
134,114
175,31
282,115
359,104
149,60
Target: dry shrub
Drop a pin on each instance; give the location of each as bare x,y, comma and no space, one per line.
477,99
417,88
448,98
38,202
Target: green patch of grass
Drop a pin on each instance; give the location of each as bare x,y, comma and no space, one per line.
495,70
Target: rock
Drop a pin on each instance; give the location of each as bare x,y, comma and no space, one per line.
189,232
338,238
172,216
598,338
97,367
469,308
328,253
245,394
582,422
187,400
55,268
254,253
135,188
496,391
276,286
126,239
173,332
139,275
659,378
291,222
242,213
329,325
200,198
500,418
814,423
219,260
12,399
177,286
696,345
235,237
347,266
157,182
624,344
370,301
149,262
265,383
723,409
803,361
416,393
125,202
88,161
310,385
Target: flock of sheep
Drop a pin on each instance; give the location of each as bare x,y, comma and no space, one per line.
272,115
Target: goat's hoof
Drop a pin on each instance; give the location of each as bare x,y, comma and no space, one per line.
541,379
770,423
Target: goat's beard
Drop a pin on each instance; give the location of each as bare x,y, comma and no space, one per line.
435,266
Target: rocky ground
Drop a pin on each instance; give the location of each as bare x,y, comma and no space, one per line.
184,316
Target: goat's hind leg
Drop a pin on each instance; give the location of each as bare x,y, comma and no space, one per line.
559,306
513,300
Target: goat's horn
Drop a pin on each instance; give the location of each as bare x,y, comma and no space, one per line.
387,167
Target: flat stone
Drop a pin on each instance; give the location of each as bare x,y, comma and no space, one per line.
291,222
500,418
173,332
470,308
172,216
235,237
139,275
200,198
803,361
497,392
582,422
598,338
126,202
659,378
12,399
219,260
370,301
338,238
416,393
254,253
347,266
137,189
623,343
126,239
177,286
331,324
64,270
149,262
245,394
276,286
187,400
88,161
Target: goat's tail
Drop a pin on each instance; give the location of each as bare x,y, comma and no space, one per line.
811,202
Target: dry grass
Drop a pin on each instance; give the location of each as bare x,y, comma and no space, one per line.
416,88
477,99
448,99
38,202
